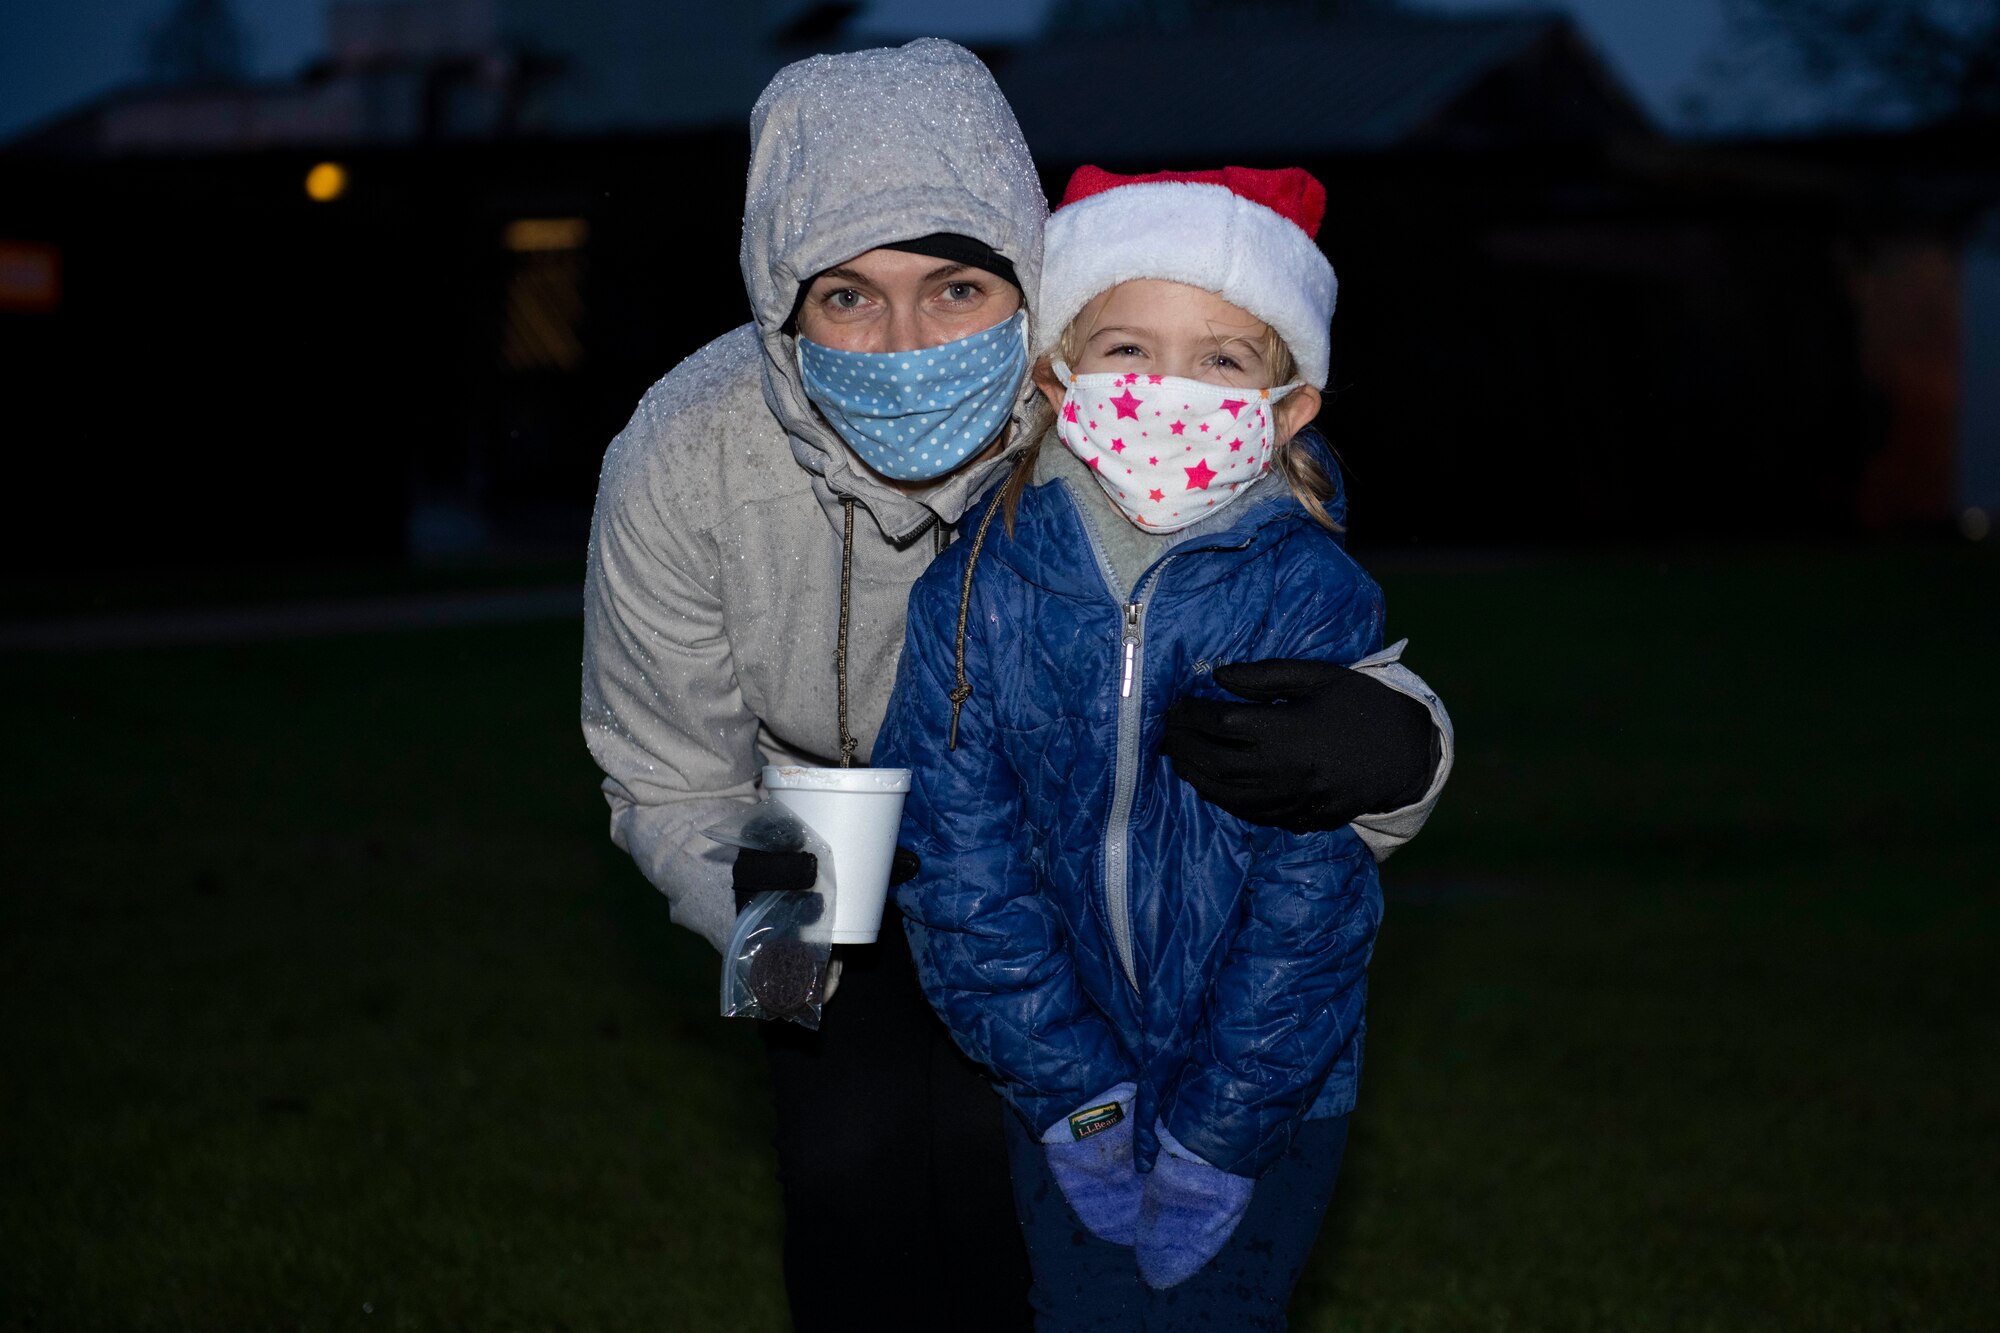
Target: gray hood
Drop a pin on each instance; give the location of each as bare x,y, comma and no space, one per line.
854,151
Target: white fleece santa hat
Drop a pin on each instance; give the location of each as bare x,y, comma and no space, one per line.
1244,234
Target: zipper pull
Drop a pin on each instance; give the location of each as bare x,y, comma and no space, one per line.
1131,647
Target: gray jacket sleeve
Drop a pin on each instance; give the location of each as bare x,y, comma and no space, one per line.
662,713
1384,833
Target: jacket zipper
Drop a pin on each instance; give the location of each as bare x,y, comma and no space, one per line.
1131,673
1131,697
1131,648
1118,922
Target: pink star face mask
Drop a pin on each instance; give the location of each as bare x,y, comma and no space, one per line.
1169,452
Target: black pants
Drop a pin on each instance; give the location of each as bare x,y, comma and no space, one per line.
898,1208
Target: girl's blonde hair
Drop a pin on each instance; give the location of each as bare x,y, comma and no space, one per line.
1034,420
1300,467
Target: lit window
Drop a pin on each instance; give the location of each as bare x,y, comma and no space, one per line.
326,182
544,293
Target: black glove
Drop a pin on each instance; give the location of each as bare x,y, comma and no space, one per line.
1318,746
756,872
759,872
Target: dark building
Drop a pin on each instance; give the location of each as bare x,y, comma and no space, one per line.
401,303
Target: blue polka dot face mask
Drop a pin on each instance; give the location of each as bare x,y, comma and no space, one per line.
914,416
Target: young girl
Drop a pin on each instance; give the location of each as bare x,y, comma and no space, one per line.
1170,998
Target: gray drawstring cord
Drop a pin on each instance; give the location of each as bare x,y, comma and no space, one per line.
962,691
847,741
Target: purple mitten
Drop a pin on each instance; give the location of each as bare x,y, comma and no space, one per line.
1189,1211
1090,1155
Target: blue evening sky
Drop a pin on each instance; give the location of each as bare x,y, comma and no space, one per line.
57,53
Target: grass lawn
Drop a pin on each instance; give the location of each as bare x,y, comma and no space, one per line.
326,1004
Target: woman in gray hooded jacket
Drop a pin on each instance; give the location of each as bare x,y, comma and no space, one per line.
759,525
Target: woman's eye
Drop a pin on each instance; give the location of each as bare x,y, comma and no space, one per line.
961,291
844,299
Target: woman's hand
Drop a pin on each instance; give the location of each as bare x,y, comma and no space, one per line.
1315,746
758,872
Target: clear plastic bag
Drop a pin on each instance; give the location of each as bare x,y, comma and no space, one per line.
780,953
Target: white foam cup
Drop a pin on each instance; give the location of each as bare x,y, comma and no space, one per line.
858,811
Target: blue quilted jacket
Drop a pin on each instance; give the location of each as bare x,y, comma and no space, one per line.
1082,917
